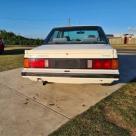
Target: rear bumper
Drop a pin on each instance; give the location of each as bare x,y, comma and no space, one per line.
76,75
71,77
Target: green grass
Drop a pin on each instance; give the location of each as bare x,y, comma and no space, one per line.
113,116
18,46
12,58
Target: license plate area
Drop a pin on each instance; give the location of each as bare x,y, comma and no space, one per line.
68,63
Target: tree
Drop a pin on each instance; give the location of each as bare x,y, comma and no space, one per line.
11,38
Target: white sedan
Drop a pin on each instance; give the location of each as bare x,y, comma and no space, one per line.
76,54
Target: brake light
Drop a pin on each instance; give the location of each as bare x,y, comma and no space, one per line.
96,64
35,63
103,64
107,64
1,47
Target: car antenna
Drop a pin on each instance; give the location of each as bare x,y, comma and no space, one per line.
69,21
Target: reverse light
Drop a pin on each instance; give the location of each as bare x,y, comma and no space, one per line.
89,63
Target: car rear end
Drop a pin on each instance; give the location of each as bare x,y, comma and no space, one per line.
72,66
72,63
1,46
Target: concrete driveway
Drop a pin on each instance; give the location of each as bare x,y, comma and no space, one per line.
29,109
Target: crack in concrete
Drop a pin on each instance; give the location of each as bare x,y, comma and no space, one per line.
45,106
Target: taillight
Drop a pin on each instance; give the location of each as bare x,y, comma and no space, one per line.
96,64
1,47
35,63
26,63
115,64
89,63
102,64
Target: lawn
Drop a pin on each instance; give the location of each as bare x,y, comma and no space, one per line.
113,116
12,58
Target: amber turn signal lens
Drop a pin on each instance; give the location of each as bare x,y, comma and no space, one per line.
26,63
115,64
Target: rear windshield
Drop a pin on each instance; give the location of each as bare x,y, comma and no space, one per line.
77,36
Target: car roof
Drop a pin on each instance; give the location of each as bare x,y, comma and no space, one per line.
77,27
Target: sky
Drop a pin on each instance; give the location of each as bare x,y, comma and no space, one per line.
35,18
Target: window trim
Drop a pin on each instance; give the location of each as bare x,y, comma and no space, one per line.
97,28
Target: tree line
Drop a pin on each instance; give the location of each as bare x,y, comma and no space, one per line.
11,38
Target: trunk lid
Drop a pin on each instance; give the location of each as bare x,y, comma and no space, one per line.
72,51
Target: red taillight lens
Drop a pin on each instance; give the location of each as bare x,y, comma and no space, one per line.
96,64
107,64
104,64
35,63
1,47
